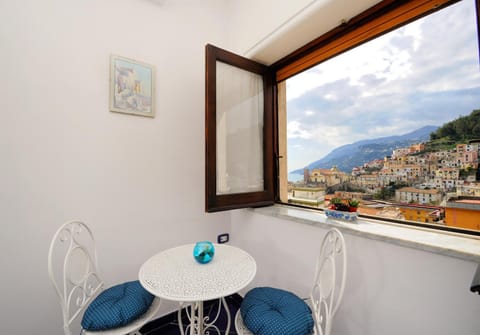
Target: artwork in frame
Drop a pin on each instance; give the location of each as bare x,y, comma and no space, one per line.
131,87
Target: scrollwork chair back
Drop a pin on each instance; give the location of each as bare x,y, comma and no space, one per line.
329,283
72,267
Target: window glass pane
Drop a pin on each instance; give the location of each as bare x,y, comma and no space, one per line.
393,123
239,130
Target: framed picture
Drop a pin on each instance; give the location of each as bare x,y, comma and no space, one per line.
131,87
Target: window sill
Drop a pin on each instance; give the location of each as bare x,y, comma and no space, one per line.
439,242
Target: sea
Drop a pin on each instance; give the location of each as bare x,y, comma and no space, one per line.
294,177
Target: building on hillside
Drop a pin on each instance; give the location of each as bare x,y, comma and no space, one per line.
394,162
441,159
317,176
472,146
421,213
329,177
387,176
368,181
403,172
431,163
467,159
412,159
418,196
461,148
306,175
400,152
374,164
447,174
380,209
356,171
471,189
307,196
449,161
416,148
467,155
414,172
351,195
445,178
463,212
413,149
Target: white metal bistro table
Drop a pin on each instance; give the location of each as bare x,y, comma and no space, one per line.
173,274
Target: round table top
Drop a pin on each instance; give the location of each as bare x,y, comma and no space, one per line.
174,274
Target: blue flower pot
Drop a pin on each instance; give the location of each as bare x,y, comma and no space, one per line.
203,252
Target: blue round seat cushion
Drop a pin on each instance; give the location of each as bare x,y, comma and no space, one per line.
117,306
272,311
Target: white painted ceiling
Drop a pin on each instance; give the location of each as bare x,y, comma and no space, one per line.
315,19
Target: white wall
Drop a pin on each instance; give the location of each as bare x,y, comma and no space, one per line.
390,289
138,182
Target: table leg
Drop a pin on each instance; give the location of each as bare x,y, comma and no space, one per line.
199,318
227,311
199,323
195,315
179,316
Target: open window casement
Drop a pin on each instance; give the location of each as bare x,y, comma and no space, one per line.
239,132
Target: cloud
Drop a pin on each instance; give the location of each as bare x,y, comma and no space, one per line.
294,130
426,73
309,113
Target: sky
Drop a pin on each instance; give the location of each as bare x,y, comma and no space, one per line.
425,73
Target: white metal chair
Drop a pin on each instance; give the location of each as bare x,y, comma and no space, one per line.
73,270
328,287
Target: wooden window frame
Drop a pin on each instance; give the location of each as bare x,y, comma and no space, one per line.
374,22
214,202
378,20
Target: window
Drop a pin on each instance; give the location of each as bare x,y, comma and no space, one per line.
333,47
415,76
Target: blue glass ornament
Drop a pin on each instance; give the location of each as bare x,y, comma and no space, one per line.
203,252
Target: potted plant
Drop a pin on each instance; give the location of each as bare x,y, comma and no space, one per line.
342,209
340,205
335,203
353,205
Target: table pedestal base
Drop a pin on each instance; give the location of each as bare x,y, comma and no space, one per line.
199,323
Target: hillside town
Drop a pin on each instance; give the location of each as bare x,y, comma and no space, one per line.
434,187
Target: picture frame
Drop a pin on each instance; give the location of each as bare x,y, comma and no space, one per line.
132,85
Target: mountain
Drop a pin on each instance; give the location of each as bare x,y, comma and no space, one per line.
355,154
461,129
